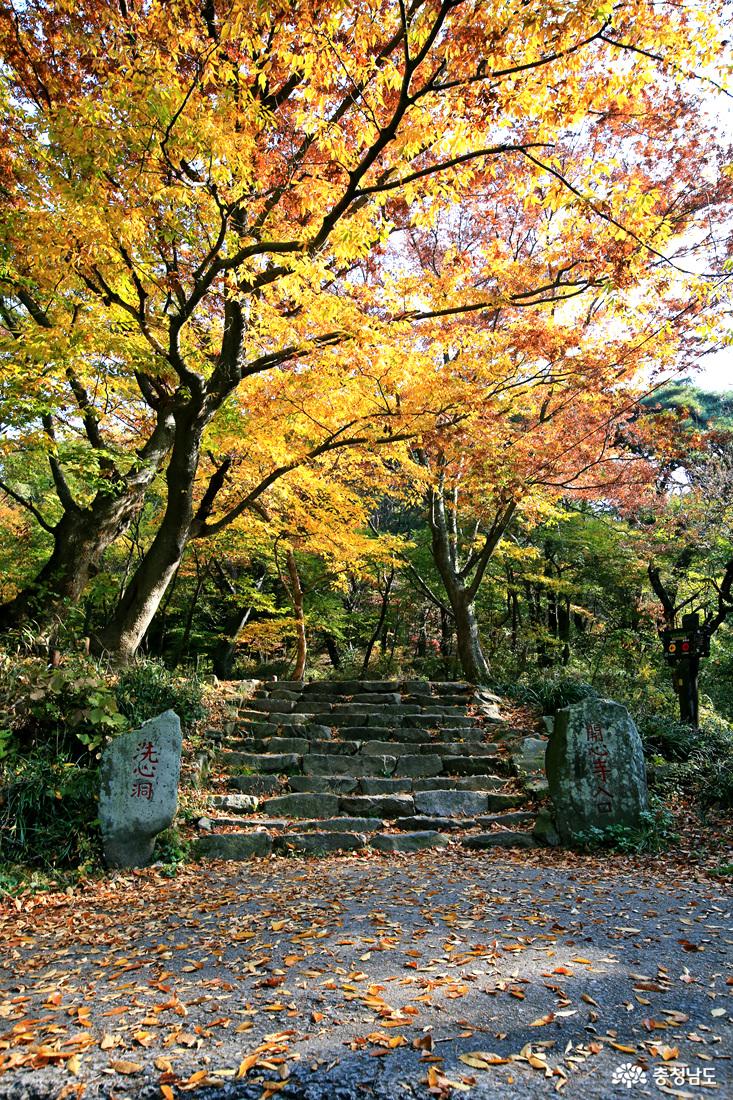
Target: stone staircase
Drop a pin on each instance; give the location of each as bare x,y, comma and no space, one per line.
395,766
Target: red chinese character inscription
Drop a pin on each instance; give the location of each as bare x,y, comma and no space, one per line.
146,768
143,789
600,756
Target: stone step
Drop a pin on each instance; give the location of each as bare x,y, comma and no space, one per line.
405,766
345,784
346,747
518,817
263,785
381,785
418,720
259,722
309,805
291,695
319,843
466,735
507,839
341,824
323,784
352,687
464,765
233,846
317,764
272,706
282,763
242,846
286,685
391,711
254,784
439,701
407,842
387,806
454,803
482,782
268,745
215,821
360,731
234,803
254,723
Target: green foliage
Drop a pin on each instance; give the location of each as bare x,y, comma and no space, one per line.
550,692
701,408
48,812
716,678
72,708
667,736
655,833
147,688
171,849
706,777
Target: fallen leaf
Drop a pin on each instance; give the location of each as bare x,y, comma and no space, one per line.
246,1064
126,1067
482,1059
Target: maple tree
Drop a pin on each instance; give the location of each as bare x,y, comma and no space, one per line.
201,196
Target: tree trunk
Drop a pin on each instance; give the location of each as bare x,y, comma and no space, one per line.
332,650
685,678
473,661
384,607
460,588
129,623
80,538
296,594
183,647
82,535
224,651
446,632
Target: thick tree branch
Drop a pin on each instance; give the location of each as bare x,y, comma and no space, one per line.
495,150
89,419
62,488
661,593
493,539
725,602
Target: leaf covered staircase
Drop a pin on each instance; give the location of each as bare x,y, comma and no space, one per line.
393,766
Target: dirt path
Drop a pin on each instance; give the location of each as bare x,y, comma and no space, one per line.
351,978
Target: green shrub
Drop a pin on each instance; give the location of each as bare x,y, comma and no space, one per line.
655,833
670,738
48,811
551,693
70,708
170,847
147,688
706,777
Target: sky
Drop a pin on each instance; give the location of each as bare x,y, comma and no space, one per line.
718,372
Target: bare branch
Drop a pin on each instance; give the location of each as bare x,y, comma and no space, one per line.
28,505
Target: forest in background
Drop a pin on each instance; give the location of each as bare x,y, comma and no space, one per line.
566,591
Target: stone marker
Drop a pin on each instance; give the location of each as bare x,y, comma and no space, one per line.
595,768
139,789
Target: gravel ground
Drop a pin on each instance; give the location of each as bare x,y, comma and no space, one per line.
373,977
